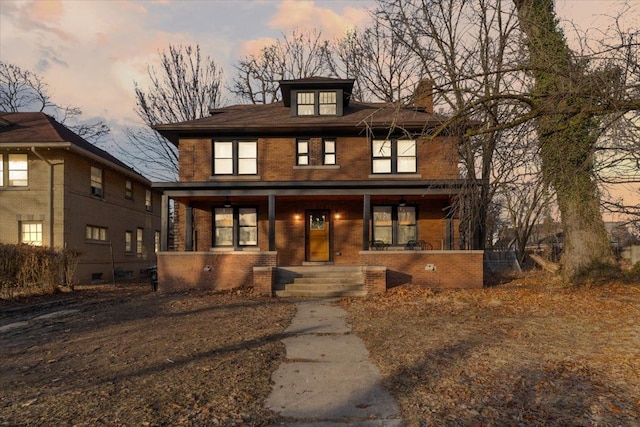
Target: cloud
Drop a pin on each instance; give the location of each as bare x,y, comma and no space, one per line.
309,15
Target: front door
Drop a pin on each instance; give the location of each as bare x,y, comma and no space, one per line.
317,230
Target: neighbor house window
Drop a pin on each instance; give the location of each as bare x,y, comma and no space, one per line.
329,152
235,157
96,181
139,241
394,156
303,152
18,170
31,232
128,189
147,201
306,103
128,235
327,105
235,226
394,225
1,170
156,241
96,233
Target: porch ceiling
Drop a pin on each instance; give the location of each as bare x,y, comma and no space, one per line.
311,188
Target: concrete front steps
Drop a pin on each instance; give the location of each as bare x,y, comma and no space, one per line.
323,281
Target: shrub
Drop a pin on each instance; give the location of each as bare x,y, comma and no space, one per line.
28,270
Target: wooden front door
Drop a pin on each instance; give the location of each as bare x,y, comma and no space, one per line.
317,230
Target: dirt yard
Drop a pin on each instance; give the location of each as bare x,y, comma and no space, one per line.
129,357
523,354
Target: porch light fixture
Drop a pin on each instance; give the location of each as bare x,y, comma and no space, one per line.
227,203
402,203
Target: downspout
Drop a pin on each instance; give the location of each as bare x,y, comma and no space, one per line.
50,201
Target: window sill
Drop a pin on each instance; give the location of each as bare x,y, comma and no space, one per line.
327,167
396,176
235,178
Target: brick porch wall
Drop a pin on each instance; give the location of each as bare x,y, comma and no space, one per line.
452,269
210,270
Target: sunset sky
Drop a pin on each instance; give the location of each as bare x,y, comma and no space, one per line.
91,51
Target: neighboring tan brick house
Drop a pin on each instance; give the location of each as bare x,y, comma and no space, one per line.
317,179
58,190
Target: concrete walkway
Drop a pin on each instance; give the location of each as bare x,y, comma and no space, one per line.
328,379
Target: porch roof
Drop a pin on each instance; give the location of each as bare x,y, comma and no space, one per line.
311,188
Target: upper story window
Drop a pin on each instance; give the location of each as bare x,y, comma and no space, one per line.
302,149
128,190
96,181
235,157
327,104
394,156
147,201
329,152
14,170
306,103
316,103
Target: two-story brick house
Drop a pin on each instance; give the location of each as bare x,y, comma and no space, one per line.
317,179
58,190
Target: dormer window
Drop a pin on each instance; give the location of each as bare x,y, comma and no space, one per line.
327,104
316,103
306,103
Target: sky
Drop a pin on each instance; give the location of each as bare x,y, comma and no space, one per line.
90,52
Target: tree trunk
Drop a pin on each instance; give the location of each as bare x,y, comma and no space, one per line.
566,136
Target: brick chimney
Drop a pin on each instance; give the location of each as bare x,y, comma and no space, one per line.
423,95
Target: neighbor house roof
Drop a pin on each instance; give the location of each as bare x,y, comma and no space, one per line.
36,129
276,118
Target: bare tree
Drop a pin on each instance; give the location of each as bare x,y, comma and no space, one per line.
185,88
382,64
466,48
299,54
24,90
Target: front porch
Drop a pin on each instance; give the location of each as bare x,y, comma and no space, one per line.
381,270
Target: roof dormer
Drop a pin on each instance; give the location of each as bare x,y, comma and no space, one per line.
316,96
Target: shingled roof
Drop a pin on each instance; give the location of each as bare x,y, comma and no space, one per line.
38,129
276,118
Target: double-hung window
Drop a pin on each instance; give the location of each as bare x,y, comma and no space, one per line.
128,190
327,104
128,235
306,103
394,156
302,148
31,232
235,227
96,182
394,225
317,103
139,241
147,201
329,152
18,168
235,157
